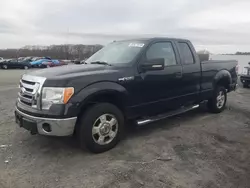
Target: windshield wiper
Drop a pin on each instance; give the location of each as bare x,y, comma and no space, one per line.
100,63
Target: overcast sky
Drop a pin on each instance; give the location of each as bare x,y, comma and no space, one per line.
216,25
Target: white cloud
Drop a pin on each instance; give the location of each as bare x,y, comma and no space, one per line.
220,25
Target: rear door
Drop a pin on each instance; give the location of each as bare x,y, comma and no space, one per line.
191,75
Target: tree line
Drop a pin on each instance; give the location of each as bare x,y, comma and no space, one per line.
242,53
237,53
69,52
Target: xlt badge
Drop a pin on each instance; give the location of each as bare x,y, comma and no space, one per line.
126,78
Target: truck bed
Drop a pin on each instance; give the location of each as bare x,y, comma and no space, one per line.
229,65
209,71
219,61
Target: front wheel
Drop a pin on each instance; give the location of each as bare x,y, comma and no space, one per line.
26,67
5,67
101,127
218,101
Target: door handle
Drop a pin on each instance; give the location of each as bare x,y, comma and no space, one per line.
178,75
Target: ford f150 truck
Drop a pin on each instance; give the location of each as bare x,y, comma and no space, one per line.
141,80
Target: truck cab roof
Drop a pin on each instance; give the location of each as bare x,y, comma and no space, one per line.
154,39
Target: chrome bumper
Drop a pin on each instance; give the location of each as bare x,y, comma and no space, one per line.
46,126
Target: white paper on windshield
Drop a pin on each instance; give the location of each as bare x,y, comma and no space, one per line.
139,45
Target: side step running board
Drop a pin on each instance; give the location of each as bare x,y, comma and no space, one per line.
166,115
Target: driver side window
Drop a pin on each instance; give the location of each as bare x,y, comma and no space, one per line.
162,50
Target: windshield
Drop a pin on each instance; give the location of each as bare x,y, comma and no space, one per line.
122,52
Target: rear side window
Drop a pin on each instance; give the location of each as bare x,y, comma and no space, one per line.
186,53
162,50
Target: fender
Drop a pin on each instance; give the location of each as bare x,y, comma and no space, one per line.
82,97
223,74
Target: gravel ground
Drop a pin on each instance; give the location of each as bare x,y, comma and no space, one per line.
196,149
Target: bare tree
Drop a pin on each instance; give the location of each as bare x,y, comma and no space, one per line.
68,51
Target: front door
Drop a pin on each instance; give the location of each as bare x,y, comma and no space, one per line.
158,91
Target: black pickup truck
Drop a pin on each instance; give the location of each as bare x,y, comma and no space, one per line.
141,80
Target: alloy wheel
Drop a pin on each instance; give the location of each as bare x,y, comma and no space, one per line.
105,129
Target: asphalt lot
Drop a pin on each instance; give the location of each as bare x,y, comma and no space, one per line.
196,149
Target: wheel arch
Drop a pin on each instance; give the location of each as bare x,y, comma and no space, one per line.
107,92
101,92
108,95
223,78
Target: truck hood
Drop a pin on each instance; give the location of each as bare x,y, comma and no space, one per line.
71,70
79,76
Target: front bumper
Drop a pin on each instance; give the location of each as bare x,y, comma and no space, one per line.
46,126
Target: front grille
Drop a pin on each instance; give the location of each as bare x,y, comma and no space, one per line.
28,92
30,89
28,82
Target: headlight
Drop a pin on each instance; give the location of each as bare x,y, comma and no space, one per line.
55,95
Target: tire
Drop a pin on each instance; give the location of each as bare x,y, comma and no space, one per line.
94,134
218,102
4,66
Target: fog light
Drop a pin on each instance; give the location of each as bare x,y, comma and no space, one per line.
46,127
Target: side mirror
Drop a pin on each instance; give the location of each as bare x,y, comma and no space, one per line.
153,65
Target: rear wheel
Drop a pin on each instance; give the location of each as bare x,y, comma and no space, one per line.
101,127
218,102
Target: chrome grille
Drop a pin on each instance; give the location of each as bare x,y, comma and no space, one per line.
30,90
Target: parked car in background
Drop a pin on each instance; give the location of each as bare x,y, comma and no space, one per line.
21,59
29,59
52,63
36,58
76,61
1,59
245,77
83,61
38,62
15,64
4,61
